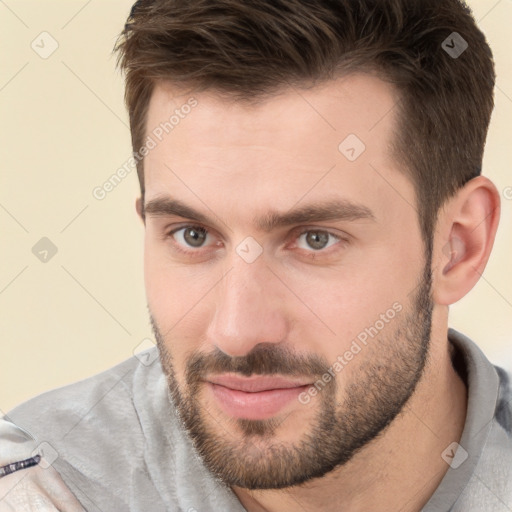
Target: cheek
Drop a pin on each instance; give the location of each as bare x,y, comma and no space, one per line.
176,296
343,303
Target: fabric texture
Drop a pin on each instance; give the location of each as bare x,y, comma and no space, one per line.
117,443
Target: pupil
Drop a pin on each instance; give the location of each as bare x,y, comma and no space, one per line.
194,237
317,239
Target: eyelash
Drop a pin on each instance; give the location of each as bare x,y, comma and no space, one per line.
311,253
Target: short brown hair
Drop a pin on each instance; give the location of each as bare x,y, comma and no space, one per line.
247,50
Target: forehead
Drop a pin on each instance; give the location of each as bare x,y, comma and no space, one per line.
323,140
355,103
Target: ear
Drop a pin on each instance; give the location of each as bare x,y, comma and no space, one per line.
139,207
465,235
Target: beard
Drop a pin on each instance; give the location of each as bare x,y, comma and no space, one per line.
255,457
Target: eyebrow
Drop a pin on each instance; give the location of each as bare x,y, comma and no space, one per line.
339,209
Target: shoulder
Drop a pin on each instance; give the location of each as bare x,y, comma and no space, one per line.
484,479
491,483
89,429
91,408
59,409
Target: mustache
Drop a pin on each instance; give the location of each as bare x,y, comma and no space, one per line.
264,359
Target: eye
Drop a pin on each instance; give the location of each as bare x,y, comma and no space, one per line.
316,239
190,236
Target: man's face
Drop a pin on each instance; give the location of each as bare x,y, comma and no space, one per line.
287,345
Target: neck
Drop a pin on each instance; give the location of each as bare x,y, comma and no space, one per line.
399,470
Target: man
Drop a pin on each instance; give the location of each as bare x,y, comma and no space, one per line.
312,201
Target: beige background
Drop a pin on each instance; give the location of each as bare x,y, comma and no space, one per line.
63,131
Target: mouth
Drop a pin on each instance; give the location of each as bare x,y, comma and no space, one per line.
256,397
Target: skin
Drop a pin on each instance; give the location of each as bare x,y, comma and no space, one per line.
235,162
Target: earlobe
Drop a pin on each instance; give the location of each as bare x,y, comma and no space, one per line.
466,235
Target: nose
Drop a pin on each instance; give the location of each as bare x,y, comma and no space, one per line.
249,309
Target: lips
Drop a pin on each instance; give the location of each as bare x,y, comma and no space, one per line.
257,397
256,383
